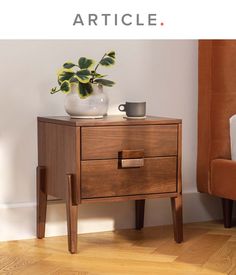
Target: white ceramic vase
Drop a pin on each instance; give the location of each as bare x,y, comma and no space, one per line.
94,106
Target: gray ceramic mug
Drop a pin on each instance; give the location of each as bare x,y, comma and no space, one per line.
133,109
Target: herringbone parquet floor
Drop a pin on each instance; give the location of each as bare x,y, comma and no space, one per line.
208,249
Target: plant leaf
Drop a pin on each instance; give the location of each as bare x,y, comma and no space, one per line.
112,54
65,74
65,86
107,61
68,65
104,82
85,89
74,79
85,63
83,76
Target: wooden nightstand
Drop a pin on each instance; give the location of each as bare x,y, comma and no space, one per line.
106,160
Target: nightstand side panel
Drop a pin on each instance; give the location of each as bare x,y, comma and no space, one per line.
179,160
57,147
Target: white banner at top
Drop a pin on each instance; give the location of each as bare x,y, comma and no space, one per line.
110,19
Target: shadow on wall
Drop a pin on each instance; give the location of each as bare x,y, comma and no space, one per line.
207,204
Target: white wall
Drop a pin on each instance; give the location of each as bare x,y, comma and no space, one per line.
164,73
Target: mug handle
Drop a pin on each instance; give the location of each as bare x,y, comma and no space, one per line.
120,107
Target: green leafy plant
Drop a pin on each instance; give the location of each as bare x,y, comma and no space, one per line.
84,75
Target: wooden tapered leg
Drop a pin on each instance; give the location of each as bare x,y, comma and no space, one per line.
72,214
41,201
227,206
176,204
139,214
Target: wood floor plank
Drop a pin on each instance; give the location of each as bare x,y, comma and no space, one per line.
207,249
224,259
40,268
9,264
71,272
203,248
135,253
124,266
169,247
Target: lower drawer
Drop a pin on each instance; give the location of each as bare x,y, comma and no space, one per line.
104,178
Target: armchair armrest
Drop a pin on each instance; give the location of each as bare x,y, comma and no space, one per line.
223,178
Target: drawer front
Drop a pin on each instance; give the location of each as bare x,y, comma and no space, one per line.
105,178
107,142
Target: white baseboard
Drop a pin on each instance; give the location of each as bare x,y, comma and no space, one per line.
18,220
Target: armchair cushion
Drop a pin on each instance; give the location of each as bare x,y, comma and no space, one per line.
223,178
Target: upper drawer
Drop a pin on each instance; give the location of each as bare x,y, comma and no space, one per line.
107,142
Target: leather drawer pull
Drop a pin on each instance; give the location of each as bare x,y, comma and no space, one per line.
131,158
132,163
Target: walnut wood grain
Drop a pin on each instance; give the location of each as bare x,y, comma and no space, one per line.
59,152
131,154
107,142
130,197
77,175
176,205
108,121
103,178
41,201
103,144
139,214
72,214
179,160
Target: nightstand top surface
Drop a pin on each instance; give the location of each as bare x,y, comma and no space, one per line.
109,120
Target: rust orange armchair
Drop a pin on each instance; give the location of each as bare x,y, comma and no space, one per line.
216,172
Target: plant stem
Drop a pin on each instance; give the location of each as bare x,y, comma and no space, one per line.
55,91
99,63
95,70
